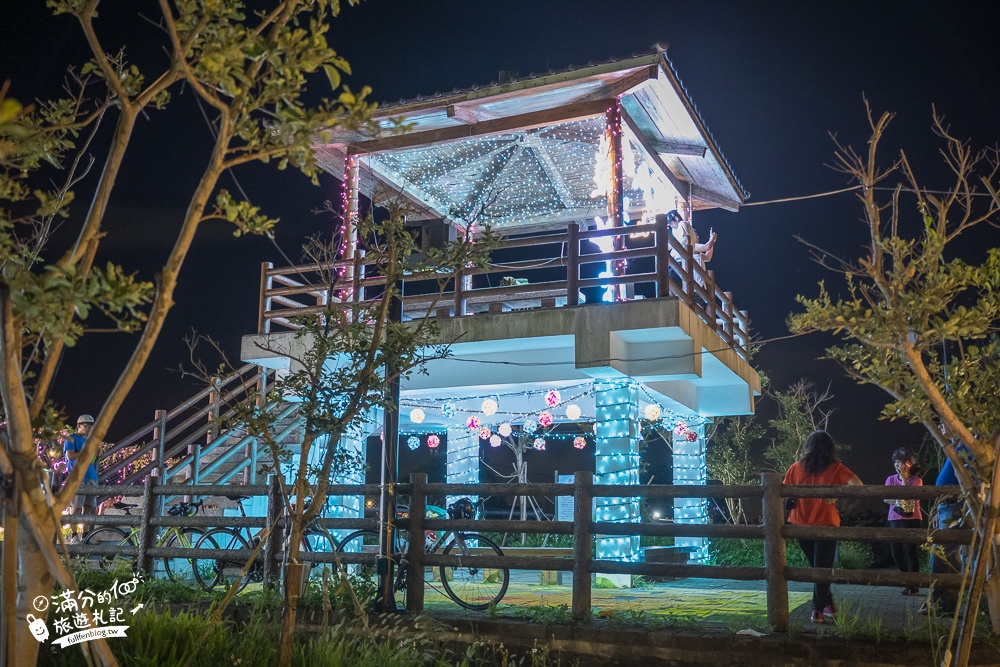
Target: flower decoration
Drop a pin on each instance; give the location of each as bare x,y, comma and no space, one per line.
473,422
433,441
495,441
530,426
413,442
485,433
652,412
579,442
540,444
680,427
552,398
691,436
490,407
545,419
573,412
505,430
416,415
448,410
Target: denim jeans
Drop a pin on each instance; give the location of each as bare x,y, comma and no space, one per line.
945,557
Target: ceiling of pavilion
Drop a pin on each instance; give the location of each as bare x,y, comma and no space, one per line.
530,155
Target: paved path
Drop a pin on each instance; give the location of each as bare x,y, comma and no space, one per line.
729,604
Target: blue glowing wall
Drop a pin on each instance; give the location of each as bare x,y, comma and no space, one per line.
463,462
690,468
617,462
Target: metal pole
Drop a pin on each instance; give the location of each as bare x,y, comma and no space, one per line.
386,600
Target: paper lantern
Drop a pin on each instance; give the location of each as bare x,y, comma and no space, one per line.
579,442
490,407
416,415
473,422
552,398
448,410
413,442
540,444
495,441
505,430
485,433
545,419
691,436
652,412
680,427
573,412
433,441
530,426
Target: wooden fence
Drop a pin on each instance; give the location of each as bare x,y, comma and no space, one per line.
287,293
773,531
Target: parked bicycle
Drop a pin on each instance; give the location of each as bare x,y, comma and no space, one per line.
470,586
176,569
222,572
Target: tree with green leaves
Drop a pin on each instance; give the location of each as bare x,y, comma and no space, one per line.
801,410
250,68
910,297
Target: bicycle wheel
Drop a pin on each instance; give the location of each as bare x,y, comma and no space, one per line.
177,569
220,573
474,587
361,542
317,542
107,536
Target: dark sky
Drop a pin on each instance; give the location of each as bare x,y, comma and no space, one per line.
772,80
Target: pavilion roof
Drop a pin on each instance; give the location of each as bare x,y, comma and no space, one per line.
522,155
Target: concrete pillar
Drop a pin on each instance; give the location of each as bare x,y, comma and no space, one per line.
690,468
617,462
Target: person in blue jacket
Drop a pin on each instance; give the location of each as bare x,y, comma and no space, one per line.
950,513
72,447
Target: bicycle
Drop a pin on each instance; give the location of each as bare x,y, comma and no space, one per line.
212,573
176,569
469,586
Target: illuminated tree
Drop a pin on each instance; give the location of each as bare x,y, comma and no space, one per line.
910,297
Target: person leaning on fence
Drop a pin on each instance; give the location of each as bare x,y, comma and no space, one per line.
949,514
684,232
72,447
904,513
818,464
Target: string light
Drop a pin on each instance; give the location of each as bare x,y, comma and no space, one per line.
617,462
690,468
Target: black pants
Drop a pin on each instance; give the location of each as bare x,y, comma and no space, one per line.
820,553
905,555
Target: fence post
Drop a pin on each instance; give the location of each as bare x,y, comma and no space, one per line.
775,560
147,532
583,516
263,323
415,550
662,257
273,543
573,265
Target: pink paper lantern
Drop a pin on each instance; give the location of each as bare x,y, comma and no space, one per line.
579,442
545,419
433,441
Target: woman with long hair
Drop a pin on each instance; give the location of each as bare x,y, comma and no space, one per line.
818,464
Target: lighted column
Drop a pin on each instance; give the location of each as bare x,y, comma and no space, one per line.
463,461
617,462
690,468
349,468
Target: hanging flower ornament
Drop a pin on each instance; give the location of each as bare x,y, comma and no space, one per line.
416,415
473,422
448,410
680,427
433,441
552,398
573,412
505,430
652,412
490,407
545,419
530,426
413,442
540,444
495,441
691,436
485,433
579,442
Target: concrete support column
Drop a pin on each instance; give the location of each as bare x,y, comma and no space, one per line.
690,468
617,462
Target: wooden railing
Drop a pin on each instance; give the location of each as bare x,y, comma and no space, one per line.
773,531
288,293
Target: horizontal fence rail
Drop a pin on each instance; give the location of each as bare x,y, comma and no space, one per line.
554,280
582,564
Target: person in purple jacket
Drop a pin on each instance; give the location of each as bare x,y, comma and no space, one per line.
904,513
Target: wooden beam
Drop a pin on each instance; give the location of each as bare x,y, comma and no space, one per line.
525,121
624,85
675,148
714,198
469,115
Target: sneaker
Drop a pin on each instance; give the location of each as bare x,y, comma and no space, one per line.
817,617
830,610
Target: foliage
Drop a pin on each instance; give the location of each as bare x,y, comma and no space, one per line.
800,412
730,458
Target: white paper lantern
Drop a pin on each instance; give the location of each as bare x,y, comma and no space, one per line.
416,415
505,430
573,412
652,412
495,441
490,407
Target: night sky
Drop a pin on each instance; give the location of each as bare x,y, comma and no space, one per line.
772,81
